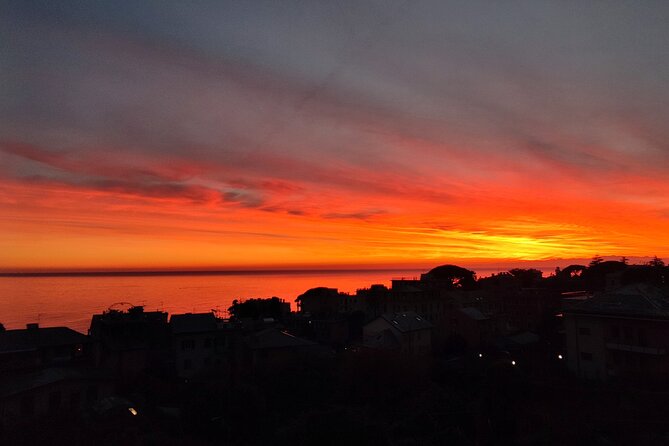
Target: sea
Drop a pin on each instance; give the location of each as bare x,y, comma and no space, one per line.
71,300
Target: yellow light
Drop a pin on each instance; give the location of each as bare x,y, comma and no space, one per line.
132,410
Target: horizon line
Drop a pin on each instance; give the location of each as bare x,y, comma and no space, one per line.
487,265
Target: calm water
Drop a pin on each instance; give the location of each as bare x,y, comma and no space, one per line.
71,300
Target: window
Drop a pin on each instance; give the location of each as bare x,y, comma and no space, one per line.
207,343
584,331
188,344
615,331
586,356
187,364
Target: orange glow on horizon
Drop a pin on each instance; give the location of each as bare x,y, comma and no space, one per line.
60,227
415,134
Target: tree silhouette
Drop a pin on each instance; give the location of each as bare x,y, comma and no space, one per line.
257,308
656,262
526,277
596,260
457,276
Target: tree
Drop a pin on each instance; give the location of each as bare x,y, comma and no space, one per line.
656,262
527,277
457,276
596,260
258,308
2,327
595,275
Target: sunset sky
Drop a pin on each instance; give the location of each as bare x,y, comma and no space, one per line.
161,134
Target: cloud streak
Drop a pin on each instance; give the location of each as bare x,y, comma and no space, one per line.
339,125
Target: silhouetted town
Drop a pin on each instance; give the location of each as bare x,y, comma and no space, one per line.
578,357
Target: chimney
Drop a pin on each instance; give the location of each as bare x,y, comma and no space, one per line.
33,326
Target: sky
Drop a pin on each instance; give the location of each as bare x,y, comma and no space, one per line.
164,134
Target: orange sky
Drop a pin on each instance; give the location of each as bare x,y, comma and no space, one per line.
243,138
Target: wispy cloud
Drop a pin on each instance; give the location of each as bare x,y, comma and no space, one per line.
459,120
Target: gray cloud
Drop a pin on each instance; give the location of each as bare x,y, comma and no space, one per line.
316,93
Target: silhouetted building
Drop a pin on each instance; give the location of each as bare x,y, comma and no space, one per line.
437,300
370,301
272,349
525,309
45,371
321,302
406,333
130,342
476,328
195,339
49,391
623,333
34,347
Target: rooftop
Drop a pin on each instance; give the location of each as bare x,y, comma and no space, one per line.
407,321
16,384
637,300
273,338
193,323
473,313
34,338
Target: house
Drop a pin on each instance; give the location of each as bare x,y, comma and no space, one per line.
476,328
271,349
28,395
195,343
35,346
44,370
406,333
620,334
435,300
321,302
130,342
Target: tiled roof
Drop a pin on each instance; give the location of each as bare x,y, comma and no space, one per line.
407,321
385,340
273,338
473,313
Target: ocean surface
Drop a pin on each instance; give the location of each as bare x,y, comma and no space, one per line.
71,300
